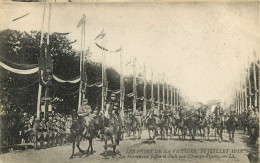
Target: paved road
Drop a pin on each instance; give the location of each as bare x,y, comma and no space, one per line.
144,151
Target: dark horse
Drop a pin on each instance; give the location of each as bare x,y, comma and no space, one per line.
165,125
83,127
219,126
112,130
180,121
151,126
231,124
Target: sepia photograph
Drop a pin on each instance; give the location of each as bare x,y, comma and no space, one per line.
129,81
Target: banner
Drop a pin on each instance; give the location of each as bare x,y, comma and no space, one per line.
101,35
45,65
82,20
18,71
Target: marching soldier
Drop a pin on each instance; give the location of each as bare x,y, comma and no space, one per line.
35,132
43,137
49,126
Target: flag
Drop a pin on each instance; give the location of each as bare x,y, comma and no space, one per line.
101,35
82,20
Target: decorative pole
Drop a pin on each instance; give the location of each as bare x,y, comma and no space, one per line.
158,96
171,96
144,103
255,87
249,85
163,83
134,86
152,95
122,84
40,86
174,92
47,51
82,23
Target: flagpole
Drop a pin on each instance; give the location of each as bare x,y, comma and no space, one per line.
255,87
177,97
249,84
171,96
103,84
81,58
163,83
167,97
152,97
48,43
134,86
144,103
122,83
158,96
174,93
40,86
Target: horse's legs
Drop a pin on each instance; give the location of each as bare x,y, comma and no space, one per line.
233,136
78,143
208,131
73,148
179,133
91,144
134,132
105,146
139,132
216,133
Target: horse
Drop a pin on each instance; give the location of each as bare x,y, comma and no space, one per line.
165,125
84,127
209,120
136,125
231,126
203,126
180,121
112,129
173,126
191,122
151,126
219,126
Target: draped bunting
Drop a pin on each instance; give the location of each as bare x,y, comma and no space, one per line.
115,92
20,17
140,98
66,81
130,94
96,84
73,42
59,33
18,65
18,71
103,48
27,13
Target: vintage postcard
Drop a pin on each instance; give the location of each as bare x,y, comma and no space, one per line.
129,81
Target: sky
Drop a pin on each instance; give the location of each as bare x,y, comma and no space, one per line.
202,48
